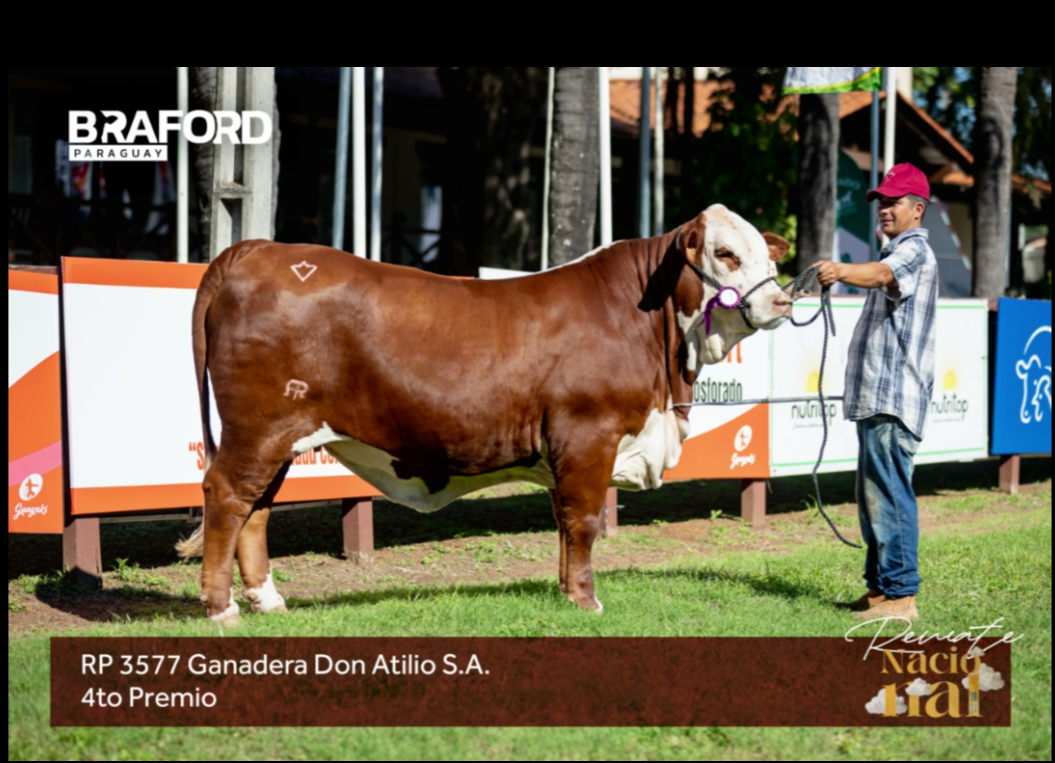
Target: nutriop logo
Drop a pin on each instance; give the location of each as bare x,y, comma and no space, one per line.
1034,369
111,136
954,404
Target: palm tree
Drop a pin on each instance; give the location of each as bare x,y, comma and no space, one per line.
819,133
993,152
575,162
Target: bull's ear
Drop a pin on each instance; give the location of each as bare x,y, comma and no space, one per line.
690,241
778,246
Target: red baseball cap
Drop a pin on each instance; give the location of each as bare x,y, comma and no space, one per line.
902,180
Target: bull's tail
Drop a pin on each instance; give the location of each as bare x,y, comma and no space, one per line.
210,284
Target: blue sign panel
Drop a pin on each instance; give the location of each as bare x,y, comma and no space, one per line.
1022,391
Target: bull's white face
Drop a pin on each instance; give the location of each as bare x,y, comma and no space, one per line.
734,253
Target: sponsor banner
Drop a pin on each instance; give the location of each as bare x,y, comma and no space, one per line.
832,79
958,423
134,419
957,428
530,682
798,428
34,404
729,441
1022,387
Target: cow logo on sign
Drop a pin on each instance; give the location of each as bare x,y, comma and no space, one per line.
1034,369
30,487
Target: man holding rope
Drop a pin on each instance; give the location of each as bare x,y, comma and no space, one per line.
889,383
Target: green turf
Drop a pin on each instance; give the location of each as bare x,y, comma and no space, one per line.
988,568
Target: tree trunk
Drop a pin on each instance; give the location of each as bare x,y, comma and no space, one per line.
203,82
818,177
492,113
992,178
575,172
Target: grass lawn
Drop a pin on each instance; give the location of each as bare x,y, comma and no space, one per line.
679,567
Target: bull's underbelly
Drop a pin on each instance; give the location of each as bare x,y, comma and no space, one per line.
639,465
642,458
378,468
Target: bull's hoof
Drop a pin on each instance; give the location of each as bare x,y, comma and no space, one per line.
590,603
227,620
230,617
257,610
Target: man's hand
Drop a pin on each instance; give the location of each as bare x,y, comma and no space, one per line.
870,275
828,273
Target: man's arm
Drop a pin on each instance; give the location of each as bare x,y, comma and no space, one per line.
871,275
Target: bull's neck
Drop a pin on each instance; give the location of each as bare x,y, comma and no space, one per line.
646,273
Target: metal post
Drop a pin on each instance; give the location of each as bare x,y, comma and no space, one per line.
1010,474
753,503
375,187
610,513
890,137
546,180
359,160
874,177
657,223
644,201
358,525
182,172
81,550
340,175
605,116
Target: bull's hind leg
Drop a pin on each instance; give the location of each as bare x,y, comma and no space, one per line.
254,564
234,486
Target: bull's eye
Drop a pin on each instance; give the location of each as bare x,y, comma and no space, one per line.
724,253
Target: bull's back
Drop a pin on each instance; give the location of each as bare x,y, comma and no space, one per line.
403,360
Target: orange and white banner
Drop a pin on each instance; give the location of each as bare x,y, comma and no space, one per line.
730,441
34,404
134,418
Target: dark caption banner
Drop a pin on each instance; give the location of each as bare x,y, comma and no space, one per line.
527,682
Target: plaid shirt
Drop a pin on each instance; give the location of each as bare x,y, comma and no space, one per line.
891,364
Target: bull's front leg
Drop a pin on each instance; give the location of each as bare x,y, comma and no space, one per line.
562,541
580,494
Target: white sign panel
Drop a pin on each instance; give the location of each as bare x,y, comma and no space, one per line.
134,416
957,423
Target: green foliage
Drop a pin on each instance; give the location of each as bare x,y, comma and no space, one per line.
746,161
950,95
1033,122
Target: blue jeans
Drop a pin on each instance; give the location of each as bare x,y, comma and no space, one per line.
886,505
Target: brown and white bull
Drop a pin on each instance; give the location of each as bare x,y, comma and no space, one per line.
431,387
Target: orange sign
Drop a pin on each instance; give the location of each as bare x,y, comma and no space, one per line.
34,425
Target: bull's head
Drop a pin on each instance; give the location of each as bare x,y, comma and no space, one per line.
734,254
1036,380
